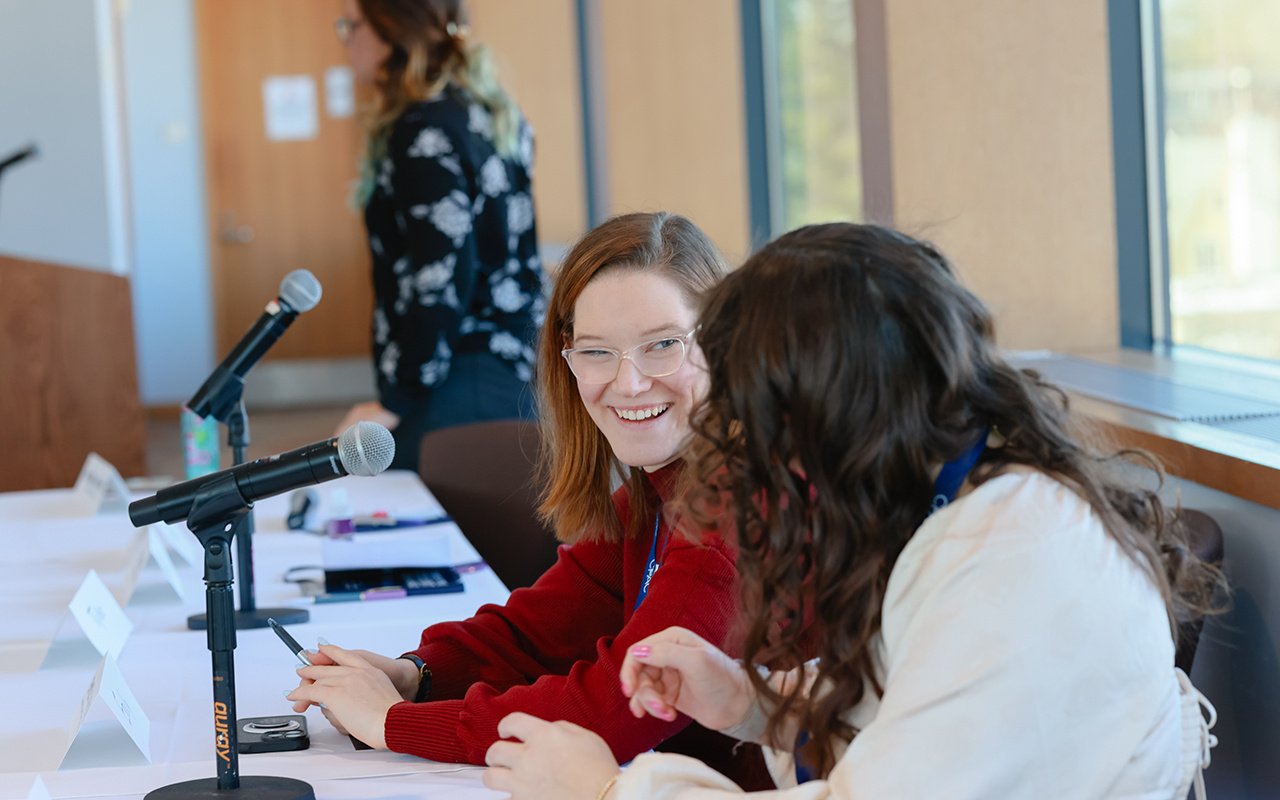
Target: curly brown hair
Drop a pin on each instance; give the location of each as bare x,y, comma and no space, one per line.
847,361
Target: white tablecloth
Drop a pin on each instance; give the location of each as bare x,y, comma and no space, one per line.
46,664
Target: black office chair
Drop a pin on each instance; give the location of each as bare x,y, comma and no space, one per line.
483,475
1204,536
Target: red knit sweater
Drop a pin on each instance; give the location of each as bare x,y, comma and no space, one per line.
554,649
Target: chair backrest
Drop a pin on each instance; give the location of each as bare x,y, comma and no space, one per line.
1204,536
483,475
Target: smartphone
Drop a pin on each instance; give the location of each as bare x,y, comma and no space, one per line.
273,734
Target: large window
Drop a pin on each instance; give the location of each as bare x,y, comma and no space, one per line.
1214,68
811,106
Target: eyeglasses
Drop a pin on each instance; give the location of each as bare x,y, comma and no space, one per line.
346,27
657,358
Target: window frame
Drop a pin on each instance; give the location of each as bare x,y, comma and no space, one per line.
763,150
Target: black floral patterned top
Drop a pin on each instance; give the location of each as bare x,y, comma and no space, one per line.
455,249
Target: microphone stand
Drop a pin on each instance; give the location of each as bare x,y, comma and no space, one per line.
216,517
249,615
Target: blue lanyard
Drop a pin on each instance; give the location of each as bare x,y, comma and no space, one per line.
947,485
945,488
653,564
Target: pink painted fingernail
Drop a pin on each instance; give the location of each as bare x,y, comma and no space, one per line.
642,651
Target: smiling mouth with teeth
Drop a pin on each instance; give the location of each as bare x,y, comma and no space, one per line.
641,414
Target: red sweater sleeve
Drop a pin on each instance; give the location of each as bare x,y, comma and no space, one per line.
554,650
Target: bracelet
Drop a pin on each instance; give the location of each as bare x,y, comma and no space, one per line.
608,785
424,677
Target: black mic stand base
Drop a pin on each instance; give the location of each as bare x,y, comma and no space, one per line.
252,787
256,618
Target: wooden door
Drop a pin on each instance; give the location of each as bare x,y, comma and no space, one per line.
278,205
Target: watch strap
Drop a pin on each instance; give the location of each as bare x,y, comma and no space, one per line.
424,677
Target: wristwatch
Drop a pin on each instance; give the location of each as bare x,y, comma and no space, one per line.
424,677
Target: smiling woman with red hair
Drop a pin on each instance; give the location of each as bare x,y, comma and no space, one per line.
618,378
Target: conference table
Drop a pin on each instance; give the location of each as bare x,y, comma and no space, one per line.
47,664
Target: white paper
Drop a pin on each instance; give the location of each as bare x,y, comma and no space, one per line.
164,560
289,107
183,542
86,700
404,547
38,790
100,616
99,487
339,92
116,694
40,715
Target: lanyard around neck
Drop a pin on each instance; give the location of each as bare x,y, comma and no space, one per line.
947,485
945,488
653,564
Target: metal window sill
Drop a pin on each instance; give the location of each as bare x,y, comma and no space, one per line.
1239,464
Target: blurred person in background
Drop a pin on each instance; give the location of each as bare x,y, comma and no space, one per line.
446,191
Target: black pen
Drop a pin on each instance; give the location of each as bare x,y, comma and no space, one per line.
290,642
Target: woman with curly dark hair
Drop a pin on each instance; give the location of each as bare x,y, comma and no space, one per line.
992,599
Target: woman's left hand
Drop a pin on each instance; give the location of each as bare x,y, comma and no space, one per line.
551,760
354,693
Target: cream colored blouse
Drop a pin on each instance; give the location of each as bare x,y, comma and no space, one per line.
1022,654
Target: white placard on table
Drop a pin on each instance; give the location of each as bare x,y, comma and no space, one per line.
49,714
42,713
289,108
100,616
162,558
38,790
124,705
183,542
139,554
339,92
99,487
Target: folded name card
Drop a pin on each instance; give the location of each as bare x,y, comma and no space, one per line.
99,487
164,560
38,790
183,542
100,616
124,705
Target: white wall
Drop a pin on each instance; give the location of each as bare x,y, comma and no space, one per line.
59,89
172,297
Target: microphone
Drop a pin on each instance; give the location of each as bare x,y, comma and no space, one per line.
364,449
299,292
30,151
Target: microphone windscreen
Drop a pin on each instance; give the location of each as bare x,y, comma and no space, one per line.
300,290
366,449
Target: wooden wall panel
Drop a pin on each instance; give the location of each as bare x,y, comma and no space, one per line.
535,45
1001,140
68,382
674,125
